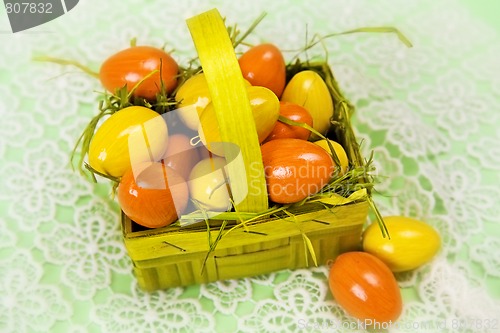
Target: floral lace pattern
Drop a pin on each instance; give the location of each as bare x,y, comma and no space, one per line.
24,296
227,294
7,237
157,312
428,113
89,251
35,187
17,126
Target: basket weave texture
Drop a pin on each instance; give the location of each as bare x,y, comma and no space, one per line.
174,256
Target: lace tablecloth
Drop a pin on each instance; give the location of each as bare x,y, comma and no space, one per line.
430,113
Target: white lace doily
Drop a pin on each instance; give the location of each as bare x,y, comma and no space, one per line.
430,113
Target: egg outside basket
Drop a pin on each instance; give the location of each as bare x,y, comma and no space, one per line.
300,236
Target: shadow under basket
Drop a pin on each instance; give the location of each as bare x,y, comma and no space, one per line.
174,256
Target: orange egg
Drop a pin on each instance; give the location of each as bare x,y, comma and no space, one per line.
153,197
180,155
365,288
295,169
264,65
128,67
295,113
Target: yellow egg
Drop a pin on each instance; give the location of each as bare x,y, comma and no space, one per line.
265,110
412,244
307,89
208,185
128,137
193,96
339,151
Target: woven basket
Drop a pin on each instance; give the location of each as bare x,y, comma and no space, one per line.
174,256
179,256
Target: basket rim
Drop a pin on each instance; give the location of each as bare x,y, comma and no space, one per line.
201,226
